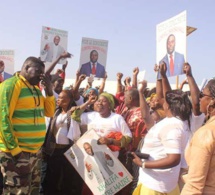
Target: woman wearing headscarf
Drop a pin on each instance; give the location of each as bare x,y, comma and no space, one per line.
111,127
105,122
200,155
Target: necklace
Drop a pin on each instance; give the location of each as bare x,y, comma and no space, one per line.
36,97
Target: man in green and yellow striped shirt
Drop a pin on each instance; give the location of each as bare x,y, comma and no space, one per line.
22,126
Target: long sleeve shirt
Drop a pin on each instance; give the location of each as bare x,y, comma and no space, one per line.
200,156
22,126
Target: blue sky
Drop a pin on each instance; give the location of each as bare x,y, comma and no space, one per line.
128,25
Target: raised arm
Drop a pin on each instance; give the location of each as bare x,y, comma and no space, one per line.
183,83
194,90
165,82
127,82
52,66
63,74
102,86
145,110
134,80
119,82
77,85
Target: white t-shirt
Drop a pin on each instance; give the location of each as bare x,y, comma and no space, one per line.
168,136
195,123
80,101
103,126
63,134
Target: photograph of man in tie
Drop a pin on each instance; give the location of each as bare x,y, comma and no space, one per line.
93,67
3,75
174,60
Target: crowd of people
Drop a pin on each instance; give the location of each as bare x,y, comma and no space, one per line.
41,119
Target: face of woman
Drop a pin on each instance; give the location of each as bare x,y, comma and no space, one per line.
63,100
154,103
205,99
103,106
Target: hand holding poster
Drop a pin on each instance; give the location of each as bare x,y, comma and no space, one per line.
99,168
171,44
6,64
93,57
53,44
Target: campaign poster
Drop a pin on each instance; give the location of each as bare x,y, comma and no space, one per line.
171,44
93,57
7,58
99,168
53,44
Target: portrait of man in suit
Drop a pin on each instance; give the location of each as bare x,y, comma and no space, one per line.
3,75
52,50
173,59
97,164
93,67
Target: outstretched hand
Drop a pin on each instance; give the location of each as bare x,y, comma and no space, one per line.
82,77
103,141
119,76
156,68
137,160
163,69
187,69
45,81
143,86
65,66
127,81
136,71
66,55
47,47
92,99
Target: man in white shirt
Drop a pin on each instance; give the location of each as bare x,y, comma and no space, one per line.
52,50
97,164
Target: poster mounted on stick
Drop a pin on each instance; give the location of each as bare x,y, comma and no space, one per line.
171,43
93,57
99,168
53,44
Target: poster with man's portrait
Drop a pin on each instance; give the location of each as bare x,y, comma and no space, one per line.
171,44
93,57
99,168
6,64
53,44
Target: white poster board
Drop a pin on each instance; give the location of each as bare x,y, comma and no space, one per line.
105,175
53,44
7,56
89,48
171,43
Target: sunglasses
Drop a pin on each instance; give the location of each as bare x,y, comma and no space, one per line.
201,95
